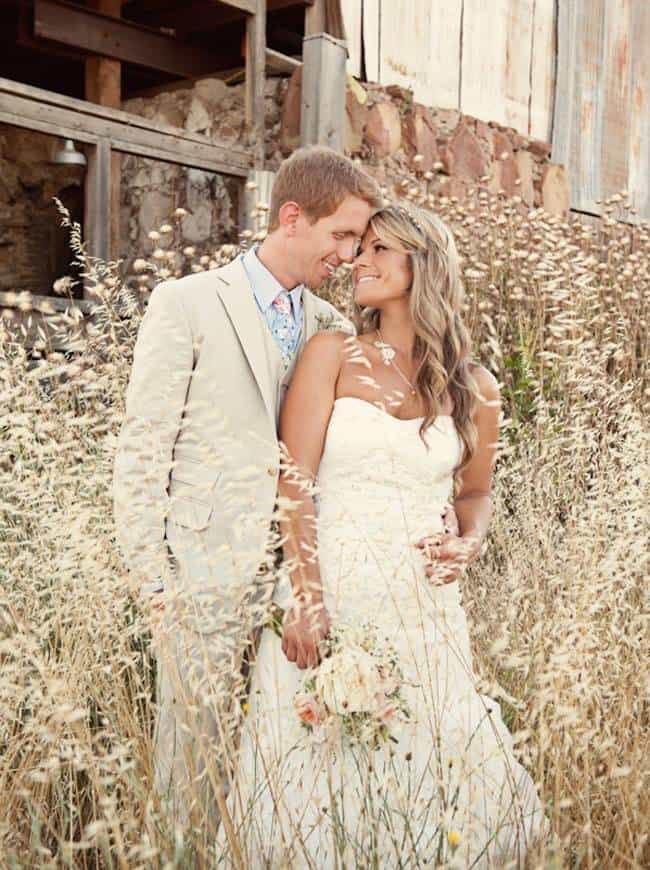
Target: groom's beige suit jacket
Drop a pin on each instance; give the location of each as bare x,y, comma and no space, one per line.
197,461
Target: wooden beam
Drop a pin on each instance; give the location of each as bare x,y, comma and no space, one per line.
255,79
199,15
37,109
322,109
278,62
93,32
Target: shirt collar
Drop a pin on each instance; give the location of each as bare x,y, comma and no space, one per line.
265,285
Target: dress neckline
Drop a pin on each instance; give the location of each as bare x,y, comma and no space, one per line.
387,414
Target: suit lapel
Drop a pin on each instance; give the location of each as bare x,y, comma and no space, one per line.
236,294
309,307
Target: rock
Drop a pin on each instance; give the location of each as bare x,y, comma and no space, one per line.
211,91
290,123
454,186
197,225
420,137
446,157
198,119
504,156
445,120
539,149
483,131
155,208
556,190
501,145
171,111
467,160
355,118
525,166
384,129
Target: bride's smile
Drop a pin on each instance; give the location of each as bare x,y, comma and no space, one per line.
380,273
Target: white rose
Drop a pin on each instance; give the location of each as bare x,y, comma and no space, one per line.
348,682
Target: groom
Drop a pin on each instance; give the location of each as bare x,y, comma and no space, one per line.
197,461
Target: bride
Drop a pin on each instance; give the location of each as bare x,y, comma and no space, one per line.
385,427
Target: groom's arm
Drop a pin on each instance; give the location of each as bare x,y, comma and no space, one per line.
155,401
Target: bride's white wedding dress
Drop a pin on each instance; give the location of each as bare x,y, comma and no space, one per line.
451,789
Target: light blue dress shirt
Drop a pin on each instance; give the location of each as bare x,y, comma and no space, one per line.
266,287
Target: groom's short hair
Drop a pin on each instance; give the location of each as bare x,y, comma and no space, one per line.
318,180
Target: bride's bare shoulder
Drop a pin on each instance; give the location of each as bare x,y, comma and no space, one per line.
327,344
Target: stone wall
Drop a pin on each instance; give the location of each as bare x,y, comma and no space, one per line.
151,191
34,249
395,137
457,154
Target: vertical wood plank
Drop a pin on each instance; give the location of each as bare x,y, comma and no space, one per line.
577,119
445,54
98,207
616,86
351,10
517,64
485,28
639,144
587,120
420,49
372,38
565,83
255,78
542,76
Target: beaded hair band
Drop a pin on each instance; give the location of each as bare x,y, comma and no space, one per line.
404,211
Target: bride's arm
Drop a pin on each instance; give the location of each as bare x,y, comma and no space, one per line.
303,425
473,504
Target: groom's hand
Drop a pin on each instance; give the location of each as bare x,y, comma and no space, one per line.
305,626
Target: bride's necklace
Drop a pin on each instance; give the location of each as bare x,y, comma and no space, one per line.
388,356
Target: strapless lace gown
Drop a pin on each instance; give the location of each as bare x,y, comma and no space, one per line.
450,791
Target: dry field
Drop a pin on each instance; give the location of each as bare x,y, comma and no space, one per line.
558,603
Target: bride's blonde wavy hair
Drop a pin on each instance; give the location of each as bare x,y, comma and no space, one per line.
442,341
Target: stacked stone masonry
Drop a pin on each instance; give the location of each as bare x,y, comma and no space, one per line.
393,136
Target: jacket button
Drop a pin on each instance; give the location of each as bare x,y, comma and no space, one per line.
270,472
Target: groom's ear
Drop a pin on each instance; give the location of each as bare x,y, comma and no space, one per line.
288,217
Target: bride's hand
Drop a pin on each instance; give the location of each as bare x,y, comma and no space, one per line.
304,627
446,553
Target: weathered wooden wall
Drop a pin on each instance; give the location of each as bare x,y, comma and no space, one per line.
575,73
601,128
492,60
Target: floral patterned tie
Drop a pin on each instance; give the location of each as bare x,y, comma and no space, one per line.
284,328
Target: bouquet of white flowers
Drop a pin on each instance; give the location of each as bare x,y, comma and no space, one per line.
357,688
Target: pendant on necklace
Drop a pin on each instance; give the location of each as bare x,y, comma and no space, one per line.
386,351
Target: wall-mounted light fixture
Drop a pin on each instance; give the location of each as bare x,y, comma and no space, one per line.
68,155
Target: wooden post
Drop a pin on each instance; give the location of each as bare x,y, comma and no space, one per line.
255,79
322,107
315,18
263,179
104,87
99,204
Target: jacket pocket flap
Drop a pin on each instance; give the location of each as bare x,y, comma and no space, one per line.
195,473
189,513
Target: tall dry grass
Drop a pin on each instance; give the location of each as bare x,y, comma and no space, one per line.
558,603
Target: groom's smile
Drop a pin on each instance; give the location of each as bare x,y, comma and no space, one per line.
332,240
